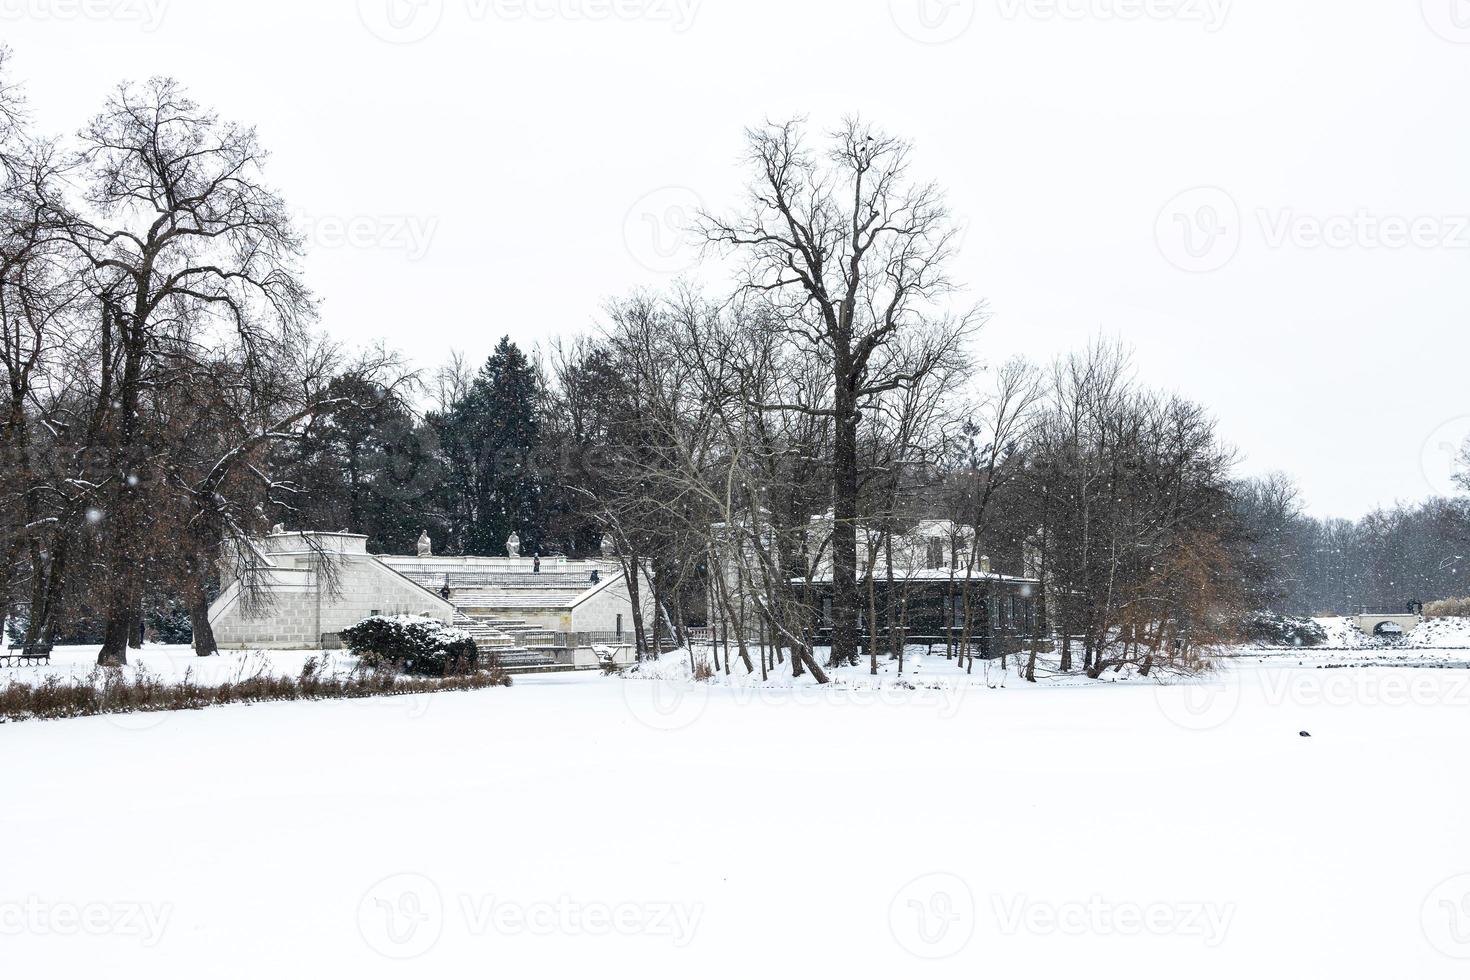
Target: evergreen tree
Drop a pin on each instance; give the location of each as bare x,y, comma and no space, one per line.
583,421
367,467
489,440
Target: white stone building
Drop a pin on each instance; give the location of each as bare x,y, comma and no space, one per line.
529,611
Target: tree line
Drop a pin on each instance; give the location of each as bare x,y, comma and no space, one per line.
1308,566
170,398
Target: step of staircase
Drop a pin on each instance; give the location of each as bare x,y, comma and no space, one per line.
552,668
525,658
513,645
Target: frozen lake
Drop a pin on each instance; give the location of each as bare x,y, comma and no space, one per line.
590,825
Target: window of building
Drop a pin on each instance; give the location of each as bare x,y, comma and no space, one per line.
935,557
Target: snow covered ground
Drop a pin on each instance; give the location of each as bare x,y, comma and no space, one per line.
1448,633
582,825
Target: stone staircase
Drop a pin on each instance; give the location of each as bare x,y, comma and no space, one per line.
513,645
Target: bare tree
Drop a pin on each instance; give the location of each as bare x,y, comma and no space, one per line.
1130,490
183,239
849,253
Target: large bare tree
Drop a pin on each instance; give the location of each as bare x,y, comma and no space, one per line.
187,246
850,253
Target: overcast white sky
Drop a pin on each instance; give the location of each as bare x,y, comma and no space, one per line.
1267,199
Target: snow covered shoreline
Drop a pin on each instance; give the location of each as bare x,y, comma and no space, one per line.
1435,643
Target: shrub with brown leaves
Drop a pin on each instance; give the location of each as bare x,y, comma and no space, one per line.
108,690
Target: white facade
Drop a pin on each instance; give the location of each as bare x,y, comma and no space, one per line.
309,586
558,594
297,606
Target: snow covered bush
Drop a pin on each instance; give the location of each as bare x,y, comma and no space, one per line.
412,644
1272,630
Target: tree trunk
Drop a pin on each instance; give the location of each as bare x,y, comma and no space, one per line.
204,642
1064,621
46,588
136,629
123,530
804,655
891,600
640,638
846,600
765,663
872,621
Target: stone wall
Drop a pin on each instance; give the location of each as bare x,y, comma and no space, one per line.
299,613
598,613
